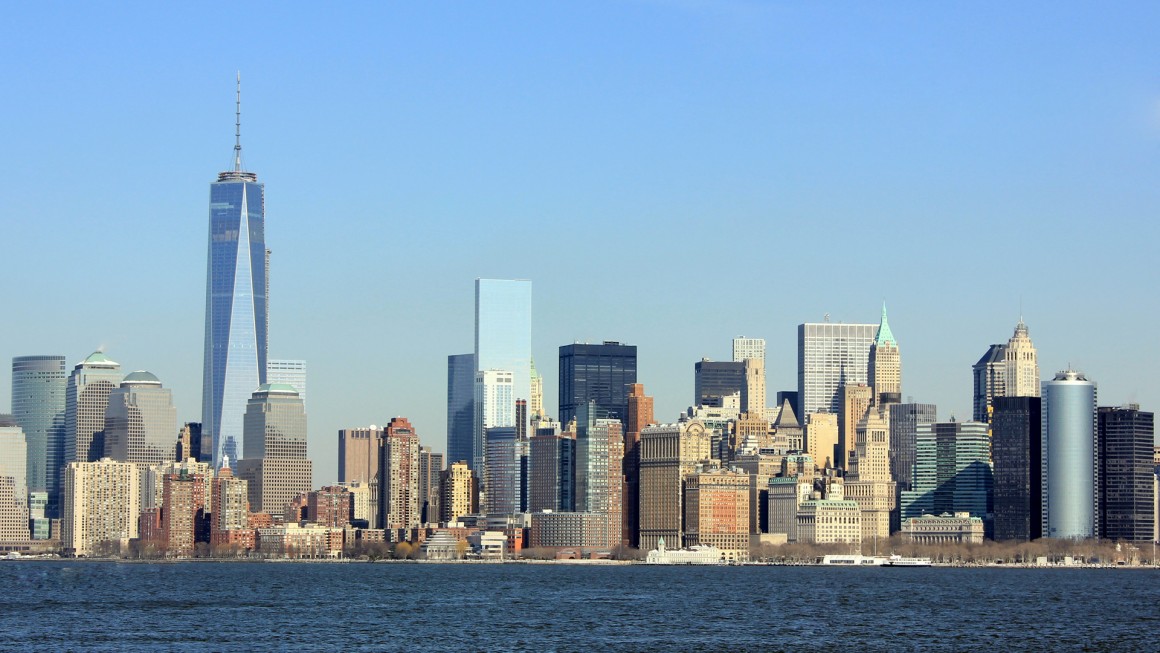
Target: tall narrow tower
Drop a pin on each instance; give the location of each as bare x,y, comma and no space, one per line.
235,302
885,369
1021,378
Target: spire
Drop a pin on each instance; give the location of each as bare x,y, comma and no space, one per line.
884,335
238,129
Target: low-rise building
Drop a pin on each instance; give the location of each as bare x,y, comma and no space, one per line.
959,528
568,530
829,521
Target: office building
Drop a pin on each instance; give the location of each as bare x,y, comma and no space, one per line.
716,381
1010,370
430,470
14,513
717,510
600,470
1126,473
1069,446
38,405
503,333
290,372
101,504
855,403
989,375
868,481
190,444
236,306
86,399
536,400
276,468
885,365
952,471
358,454
503,478
904,421
552,470
140,421
1017,457
831,355
668,454
821,435
829,521
603,373
460,407
494,407
399,501
748,349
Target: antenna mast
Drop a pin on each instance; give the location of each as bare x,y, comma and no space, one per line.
238,129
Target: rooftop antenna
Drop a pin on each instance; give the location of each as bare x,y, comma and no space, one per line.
238,129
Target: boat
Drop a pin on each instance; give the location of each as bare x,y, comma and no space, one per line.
900,561
853,560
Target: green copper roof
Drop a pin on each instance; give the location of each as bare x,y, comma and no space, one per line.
278,388
98,357
141,376
884,335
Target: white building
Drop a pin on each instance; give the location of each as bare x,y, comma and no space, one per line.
697,555
495,406
101,502
290,372
830,355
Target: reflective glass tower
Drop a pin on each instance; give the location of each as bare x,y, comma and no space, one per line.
38,397
235,304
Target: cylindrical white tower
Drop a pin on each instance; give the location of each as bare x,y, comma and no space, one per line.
1069,443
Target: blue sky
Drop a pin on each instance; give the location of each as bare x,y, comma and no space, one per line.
669,174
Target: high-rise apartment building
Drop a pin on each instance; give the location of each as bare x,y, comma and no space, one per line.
1126,473
552,470
885,365
140,421
230,515
494,407
904,421
952,471
603,373
831,355
1017,458
430,470
86,399
14,525
503,333
668,454
236,307
599,470
1069,446
101,504
458,487
399,501
640,415
290,372
358,454
460,407
276,467
38,405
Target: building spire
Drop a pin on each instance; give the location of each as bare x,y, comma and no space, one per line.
884,335
238,129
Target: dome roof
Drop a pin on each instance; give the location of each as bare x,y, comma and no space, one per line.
99,358
141,376
278,388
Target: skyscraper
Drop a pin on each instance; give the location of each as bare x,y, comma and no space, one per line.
13,482
86,398
1069,445
989,376
358,454
1126,473
503,478
713,381
602,373
236,306
430,469
536,398
38,404
140,421
885,365
503,330
640,415
831,355
290,372
904,421
460,408
599,471
952,472
748,348
102,500
1010,370
276,467
494,407
399,501
668,454
1017,456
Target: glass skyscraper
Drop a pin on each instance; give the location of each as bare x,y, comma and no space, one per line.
235,306
602,373
38,402
503,330
460,407
831,355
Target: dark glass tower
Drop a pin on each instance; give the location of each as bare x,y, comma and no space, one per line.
460,407
38,405
602,373
235,304
1017,455
716,380
1126,472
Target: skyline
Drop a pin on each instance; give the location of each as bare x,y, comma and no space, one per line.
675,156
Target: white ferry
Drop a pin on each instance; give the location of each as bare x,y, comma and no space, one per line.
853,560
899,561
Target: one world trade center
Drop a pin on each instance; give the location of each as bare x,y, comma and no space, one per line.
235,304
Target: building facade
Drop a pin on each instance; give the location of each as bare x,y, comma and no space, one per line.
39,385
904,421
101,504
831,355
603,373
290,372
140,421
399,476
884,373
668,454
1017,457
1069,445
86,399
952,471
494,407
717,511
1126,473
714,381
14,512
460,407
358,454
276,467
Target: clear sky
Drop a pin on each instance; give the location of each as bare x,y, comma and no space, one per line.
669,174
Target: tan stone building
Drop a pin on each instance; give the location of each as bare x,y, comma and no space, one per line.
855,401
821,433
829,521
101,506
717,512
885,365
868,481
458,487
275,464
959,528
358,454
668,454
